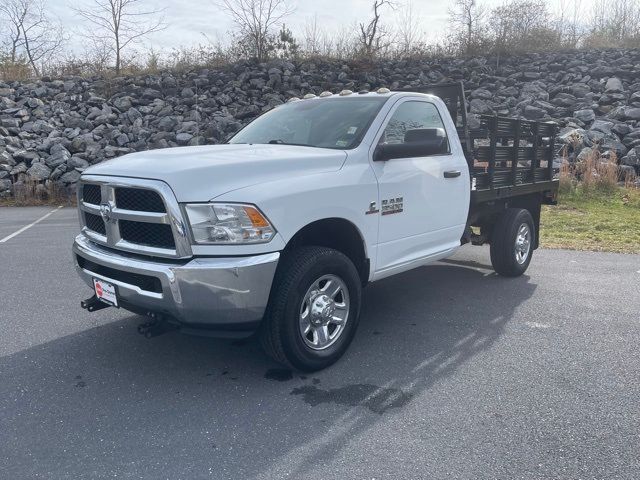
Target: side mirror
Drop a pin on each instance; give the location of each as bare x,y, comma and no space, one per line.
422,148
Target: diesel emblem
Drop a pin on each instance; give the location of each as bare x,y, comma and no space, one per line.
372,209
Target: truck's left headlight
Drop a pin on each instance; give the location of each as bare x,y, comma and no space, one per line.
228,223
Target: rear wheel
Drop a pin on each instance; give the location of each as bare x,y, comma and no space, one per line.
314,309
512,242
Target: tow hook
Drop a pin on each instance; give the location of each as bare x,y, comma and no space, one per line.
92,304
154,327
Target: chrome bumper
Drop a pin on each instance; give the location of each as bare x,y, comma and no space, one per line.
223,293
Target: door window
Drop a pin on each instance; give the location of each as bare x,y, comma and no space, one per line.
414,122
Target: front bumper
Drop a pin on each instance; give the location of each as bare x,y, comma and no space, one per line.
212,293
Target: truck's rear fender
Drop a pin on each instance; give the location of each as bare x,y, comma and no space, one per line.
533,203
486,214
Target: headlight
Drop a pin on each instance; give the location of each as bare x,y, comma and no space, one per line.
228,223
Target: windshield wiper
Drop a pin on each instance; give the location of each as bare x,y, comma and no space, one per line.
282,142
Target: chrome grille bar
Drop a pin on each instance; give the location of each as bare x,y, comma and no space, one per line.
112,215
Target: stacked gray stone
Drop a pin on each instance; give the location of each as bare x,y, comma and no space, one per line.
52,129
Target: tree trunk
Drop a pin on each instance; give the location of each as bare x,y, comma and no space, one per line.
29,54
117,38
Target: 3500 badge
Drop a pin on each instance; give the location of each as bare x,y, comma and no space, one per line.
392,205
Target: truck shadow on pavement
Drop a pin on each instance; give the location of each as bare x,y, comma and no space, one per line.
417,329
152,408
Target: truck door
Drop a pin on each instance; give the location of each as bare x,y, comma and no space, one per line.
423,200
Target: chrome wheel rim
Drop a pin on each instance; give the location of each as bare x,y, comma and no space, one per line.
324,312
523,243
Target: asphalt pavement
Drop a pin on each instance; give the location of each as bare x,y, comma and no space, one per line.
455,373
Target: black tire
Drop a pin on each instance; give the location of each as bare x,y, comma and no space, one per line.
280,334
503,242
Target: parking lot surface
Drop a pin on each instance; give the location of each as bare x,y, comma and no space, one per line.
454,373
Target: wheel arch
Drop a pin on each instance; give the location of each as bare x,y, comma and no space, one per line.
532,203
487,214
337,233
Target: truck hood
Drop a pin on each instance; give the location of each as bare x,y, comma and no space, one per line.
198,174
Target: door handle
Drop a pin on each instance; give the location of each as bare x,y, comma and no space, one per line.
452,174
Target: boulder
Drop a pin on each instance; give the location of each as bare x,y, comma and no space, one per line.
603,126
585,116
39,172
78,163
480,107
183,138
70,177
122,103
614,85
5,185
533,113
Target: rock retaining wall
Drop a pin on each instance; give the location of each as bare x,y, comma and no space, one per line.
51,130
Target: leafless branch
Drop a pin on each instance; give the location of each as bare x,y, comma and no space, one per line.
467,16
372,34
409,34
255,20
121,22
32,35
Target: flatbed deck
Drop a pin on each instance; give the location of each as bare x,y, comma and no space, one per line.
507,157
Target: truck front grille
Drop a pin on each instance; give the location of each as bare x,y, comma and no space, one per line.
91,194
134,215
150,234
95,223
139,200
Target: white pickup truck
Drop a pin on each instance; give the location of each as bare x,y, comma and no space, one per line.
277,231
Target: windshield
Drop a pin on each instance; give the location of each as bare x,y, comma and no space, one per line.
338,123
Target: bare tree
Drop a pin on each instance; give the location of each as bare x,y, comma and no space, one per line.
409,34
312,36
568,22
467,15
372,34
13,17
31,33
256,20
119,23
340,42
524,25
616,23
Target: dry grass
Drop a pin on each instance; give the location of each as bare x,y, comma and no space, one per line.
594,211
34,193
15,71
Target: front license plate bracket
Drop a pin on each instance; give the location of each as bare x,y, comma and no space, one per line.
105,292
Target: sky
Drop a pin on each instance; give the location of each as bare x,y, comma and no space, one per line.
189,20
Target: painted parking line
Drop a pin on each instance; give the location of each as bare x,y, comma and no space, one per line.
27,227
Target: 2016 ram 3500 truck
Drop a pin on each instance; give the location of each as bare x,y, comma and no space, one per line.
278,231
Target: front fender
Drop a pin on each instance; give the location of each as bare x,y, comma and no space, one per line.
292,203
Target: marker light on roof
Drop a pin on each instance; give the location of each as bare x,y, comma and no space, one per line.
308,96
383,90
293,99
344,93
325,94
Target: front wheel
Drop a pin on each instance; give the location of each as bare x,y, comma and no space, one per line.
313,310
512,242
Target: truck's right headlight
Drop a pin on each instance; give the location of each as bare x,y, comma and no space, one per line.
228,223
